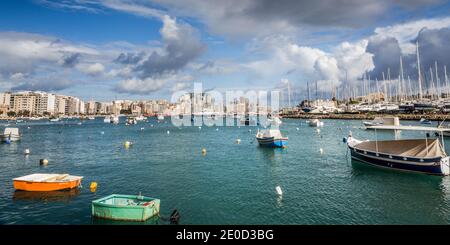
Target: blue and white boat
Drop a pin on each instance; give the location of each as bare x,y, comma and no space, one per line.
415,155
271,138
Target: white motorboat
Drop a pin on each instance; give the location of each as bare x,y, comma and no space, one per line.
10,134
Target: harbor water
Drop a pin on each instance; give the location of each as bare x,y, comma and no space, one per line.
230,184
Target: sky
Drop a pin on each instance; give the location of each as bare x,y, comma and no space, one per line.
148,49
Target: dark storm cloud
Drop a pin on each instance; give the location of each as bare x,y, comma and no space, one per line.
181,45
70,60
386,55
433,47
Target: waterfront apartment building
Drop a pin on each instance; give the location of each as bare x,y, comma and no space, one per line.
5,101
23,102
44,103
90,107
61,105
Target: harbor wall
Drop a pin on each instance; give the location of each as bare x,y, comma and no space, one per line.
368,116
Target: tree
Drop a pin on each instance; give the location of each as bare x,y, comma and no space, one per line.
11,113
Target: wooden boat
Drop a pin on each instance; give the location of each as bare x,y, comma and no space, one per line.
416,155
48,196
271,138
125,207
10,134
47,182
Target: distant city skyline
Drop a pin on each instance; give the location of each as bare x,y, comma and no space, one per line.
133,49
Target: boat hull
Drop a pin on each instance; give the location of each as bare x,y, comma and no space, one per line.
45,186
434,166
103,210
271,142
4,138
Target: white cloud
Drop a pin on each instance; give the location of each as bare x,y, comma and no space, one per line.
152,84
93,69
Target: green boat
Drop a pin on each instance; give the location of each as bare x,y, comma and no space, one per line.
125,207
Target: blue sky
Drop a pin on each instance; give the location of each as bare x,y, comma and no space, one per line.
141,49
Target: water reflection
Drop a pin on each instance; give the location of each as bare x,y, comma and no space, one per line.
46,196
155,220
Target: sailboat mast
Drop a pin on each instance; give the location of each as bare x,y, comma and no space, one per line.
385,89
432,82
446,80
438,85
401,73
418,70
289,94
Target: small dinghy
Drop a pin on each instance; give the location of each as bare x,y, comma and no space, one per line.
424,121
47,182
125,207
10,134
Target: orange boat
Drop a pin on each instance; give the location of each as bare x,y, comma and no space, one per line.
47,182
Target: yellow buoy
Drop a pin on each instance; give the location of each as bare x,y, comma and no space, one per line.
93,186
203,151
43,162
321,151
238,141
127,144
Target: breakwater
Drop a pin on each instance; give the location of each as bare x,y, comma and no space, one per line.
368,116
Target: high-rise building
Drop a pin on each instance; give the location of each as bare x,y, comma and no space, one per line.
22,102
45,103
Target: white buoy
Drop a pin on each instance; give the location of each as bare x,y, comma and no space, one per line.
321,151
238,141
127,143
199,127
318,130
151,125
28,127
168,132
142,128
298,129
102,132
279,191
217,129
26,151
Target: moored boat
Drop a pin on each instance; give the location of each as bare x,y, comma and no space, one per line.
114,119
416,155
424,121
125,207
315,123
271,138
382,121
47,182
10,134
160,117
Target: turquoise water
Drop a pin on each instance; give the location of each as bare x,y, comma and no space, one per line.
231,184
